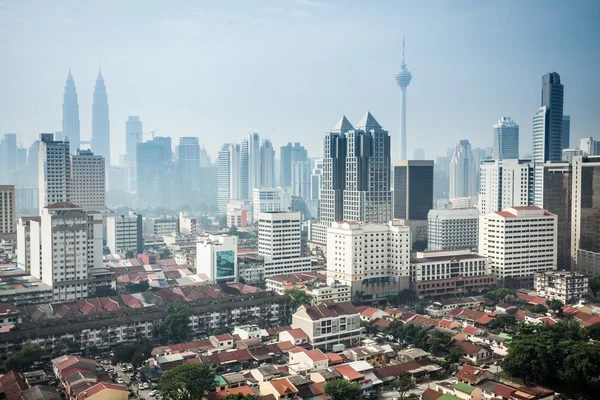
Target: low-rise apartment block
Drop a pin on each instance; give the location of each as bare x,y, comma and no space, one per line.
565,286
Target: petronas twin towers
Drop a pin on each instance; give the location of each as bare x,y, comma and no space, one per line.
100,143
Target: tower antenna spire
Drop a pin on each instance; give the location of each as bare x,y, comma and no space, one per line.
403,45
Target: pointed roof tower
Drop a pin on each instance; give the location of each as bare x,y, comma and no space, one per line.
343,125
368,122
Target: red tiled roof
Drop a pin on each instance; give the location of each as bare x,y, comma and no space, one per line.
445,323
470,373
316,355
486,319
503,390
97,388
532,299
471,330
469,348
283,386
381,323
224,337
334,358
430,394
243,390
63,204
297,333
285,346
12,385
548,321
348,372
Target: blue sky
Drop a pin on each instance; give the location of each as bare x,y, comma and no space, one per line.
290,68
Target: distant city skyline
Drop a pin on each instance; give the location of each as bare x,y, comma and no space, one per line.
249,67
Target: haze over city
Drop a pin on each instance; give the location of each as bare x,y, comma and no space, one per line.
290,69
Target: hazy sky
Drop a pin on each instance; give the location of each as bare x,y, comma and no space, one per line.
290,68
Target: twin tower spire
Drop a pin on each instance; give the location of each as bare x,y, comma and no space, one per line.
100,143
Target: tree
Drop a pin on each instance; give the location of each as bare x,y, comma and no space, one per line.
139,287
187,381
500,294
134,353
539,309
104,291
503,321
420,309
233,230
403,383
341,389
240,396
129,255
594,284
299,297
164,253
175,327
555,305
23,358
223,221
205,222
66,346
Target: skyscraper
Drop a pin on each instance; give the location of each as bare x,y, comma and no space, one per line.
356,176
88,180
133,136
189,168
267,164
566,142
70,119
585,208
228,175
505,183
7,209
8,158
254,169
413,189
151,174
547,130
557,200
245,190
403,78
462,171
506,139
100,121
290,153
54,176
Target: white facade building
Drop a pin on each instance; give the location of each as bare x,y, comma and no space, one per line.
88,180
505,183
24,243
124,234
54,171
506,139
519,242
463,174
453,228
161,226
216,256
370,258
279,242
271,199
187,225
540,149
65,245
565,286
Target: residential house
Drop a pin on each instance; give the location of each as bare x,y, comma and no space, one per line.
473,375
296,336
280,388
473,352
315,360
371,314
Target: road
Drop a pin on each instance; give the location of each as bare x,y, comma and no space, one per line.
142,394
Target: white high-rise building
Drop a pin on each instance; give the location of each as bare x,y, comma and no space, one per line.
88,180
124,234
279,243
519,242
54,175
300,178
228,175
540,149
370,258
506,139
24,242
271,199
463,176
254,163
505,183
279,234
65,245
216,256
453,228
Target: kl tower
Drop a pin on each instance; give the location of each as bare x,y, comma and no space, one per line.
403,78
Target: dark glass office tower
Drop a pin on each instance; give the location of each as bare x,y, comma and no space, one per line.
413,189
557,200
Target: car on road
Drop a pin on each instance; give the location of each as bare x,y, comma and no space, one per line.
154,393
145,385
119,380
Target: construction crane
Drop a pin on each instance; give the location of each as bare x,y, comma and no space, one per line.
138,134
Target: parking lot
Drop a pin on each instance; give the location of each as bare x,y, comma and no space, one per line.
134,385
